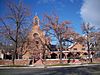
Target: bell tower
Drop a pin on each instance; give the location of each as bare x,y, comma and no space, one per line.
36,38
36,20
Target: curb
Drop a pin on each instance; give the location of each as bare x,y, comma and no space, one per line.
82,65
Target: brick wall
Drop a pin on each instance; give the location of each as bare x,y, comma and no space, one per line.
17,62
48,61
57,61
26,62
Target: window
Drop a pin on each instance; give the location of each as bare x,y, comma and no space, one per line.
35,35
37,42
36,21
75,48
83,48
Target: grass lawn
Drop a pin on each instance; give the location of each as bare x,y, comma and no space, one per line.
59,65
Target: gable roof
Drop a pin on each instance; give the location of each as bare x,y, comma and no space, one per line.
74,45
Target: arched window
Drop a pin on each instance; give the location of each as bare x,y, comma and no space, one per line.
53,56
63,55
35,35
37,42
36,20
70,55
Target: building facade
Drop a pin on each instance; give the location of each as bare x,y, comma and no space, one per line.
36,40
34,47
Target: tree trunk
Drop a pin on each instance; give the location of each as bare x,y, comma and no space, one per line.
13,58
61,53
44,55
45,60
16,42
60,57
88,49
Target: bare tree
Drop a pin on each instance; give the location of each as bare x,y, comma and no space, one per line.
89,32
97,41
55,29
80,39
15,24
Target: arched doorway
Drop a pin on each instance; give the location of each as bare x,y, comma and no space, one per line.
70,55
63,55
53,56
77,55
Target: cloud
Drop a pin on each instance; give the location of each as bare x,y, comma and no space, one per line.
90,12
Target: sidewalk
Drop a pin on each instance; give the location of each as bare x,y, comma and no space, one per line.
73,65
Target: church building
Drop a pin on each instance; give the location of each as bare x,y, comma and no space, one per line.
34,47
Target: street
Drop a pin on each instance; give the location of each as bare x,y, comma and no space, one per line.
84,70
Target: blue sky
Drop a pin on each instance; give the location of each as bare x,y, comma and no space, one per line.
65,9
76,11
